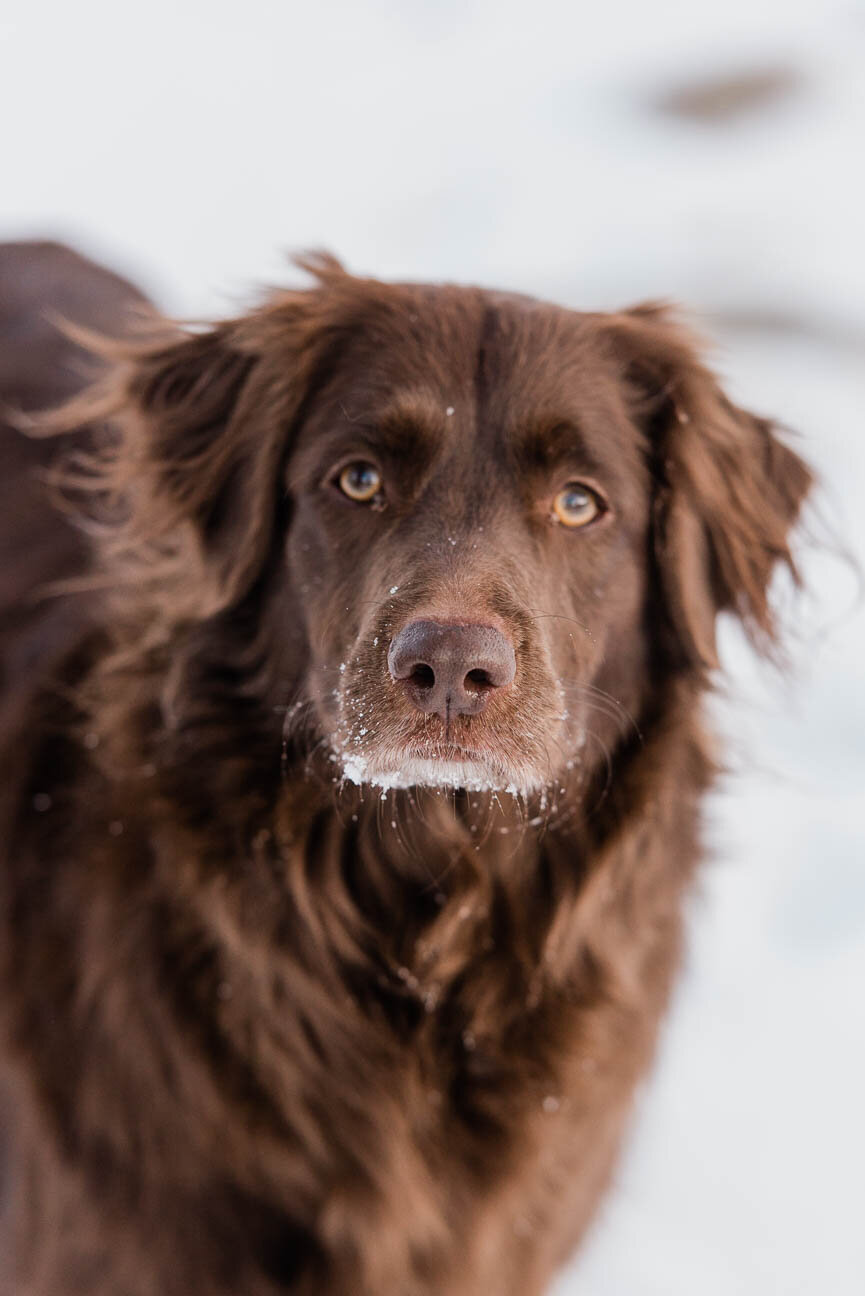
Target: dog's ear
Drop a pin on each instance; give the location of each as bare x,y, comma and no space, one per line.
727,488
199,423
197,451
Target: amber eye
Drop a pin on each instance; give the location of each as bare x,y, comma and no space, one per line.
577,505
360,481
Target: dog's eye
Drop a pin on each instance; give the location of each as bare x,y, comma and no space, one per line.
577,505
360,481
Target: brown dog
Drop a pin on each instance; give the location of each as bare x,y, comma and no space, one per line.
350,793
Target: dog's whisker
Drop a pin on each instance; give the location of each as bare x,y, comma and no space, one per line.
600,699
560,616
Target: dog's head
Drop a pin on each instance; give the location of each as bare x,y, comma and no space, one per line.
465,533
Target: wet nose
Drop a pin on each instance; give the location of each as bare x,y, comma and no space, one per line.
450,670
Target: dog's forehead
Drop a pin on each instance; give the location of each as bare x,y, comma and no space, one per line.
460,338
459,361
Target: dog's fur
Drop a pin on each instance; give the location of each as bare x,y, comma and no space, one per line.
268,1024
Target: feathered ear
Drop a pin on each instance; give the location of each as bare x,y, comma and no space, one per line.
198,424
197,452
728,490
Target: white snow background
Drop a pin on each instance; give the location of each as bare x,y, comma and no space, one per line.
192,144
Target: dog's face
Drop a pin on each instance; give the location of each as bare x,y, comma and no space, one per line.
467,549
490,525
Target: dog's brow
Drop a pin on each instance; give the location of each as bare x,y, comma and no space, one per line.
400,421
544,441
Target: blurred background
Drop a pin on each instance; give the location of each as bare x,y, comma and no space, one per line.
594,154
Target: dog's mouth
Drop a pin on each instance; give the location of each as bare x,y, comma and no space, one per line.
442,765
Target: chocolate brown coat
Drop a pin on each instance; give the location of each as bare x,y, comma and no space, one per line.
266,1029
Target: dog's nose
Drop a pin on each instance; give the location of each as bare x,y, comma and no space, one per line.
450,670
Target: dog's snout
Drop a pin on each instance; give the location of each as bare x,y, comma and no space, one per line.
451,670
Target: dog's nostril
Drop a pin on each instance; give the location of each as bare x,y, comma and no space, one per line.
423,676
479,677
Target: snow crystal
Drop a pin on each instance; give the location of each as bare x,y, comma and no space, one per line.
471,776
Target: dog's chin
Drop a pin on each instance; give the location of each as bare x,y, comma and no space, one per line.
467,774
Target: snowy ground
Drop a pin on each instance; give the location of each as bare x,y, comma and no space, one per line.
527,147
